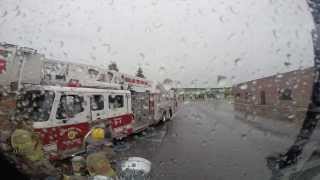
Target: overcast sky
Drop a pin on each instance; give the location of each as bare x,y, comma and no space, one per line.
191,41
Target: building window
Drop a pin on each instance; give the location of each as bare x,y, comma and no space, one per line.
97,102
69,106
285,94
116,101
262,97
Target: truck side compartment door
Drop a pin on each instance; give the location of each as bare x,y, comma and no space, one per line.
71,121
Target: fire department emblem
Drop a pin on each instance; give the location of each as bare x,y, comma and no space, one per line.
72,134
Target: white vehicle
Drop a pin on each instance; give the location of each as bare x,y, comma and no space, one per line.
65,101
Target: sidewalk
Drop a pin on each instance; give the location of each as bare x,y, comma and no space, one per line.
276,127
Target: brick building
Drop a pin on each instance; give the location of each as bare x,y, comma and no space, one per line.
282,96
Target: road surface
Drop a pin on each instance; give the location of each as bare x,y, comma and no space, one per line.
205,140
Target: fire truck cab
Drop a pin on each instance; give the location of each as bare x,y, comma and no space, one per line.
64,116
65,101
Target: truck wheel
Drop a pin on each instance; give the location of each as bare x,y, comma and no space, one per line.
170,113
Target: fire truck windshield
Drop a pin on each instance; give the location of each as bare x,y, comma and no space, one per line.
35,105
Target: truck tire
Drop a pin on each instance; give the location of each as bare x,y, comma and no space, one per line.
170,113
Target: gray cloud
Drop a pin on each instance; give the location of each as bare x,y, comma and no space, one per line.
186,40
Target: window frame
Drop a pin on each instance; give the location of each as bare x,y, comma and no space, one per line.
47,94
73,114
101,103
116,95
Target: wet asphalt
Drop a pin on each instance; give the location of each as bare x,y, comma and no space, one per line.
205,140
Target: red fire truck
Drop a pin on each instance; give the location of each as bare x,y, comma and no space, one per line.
65,101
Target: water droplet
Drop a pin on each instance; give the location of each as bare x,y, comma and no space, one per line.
244,173
18,13
154,3
231,36
266,133
232,10
111,2
157,25
237,61
147,64
221,19
287,64
162,69
93,57
167,81
297,34
244,86
61,44
275,35
108,47
288,56
213,130
279,76
142,55
244,136
204,143
4,13
289,44
291,116
99,29
198,123
80,69
4,93
65,54
148,29
221,80
205,83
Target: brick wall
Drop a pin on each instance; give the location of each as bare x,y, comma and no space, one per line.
283,96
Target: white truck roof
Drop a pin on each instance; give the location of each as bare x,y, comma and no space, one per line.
26,66
76,89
